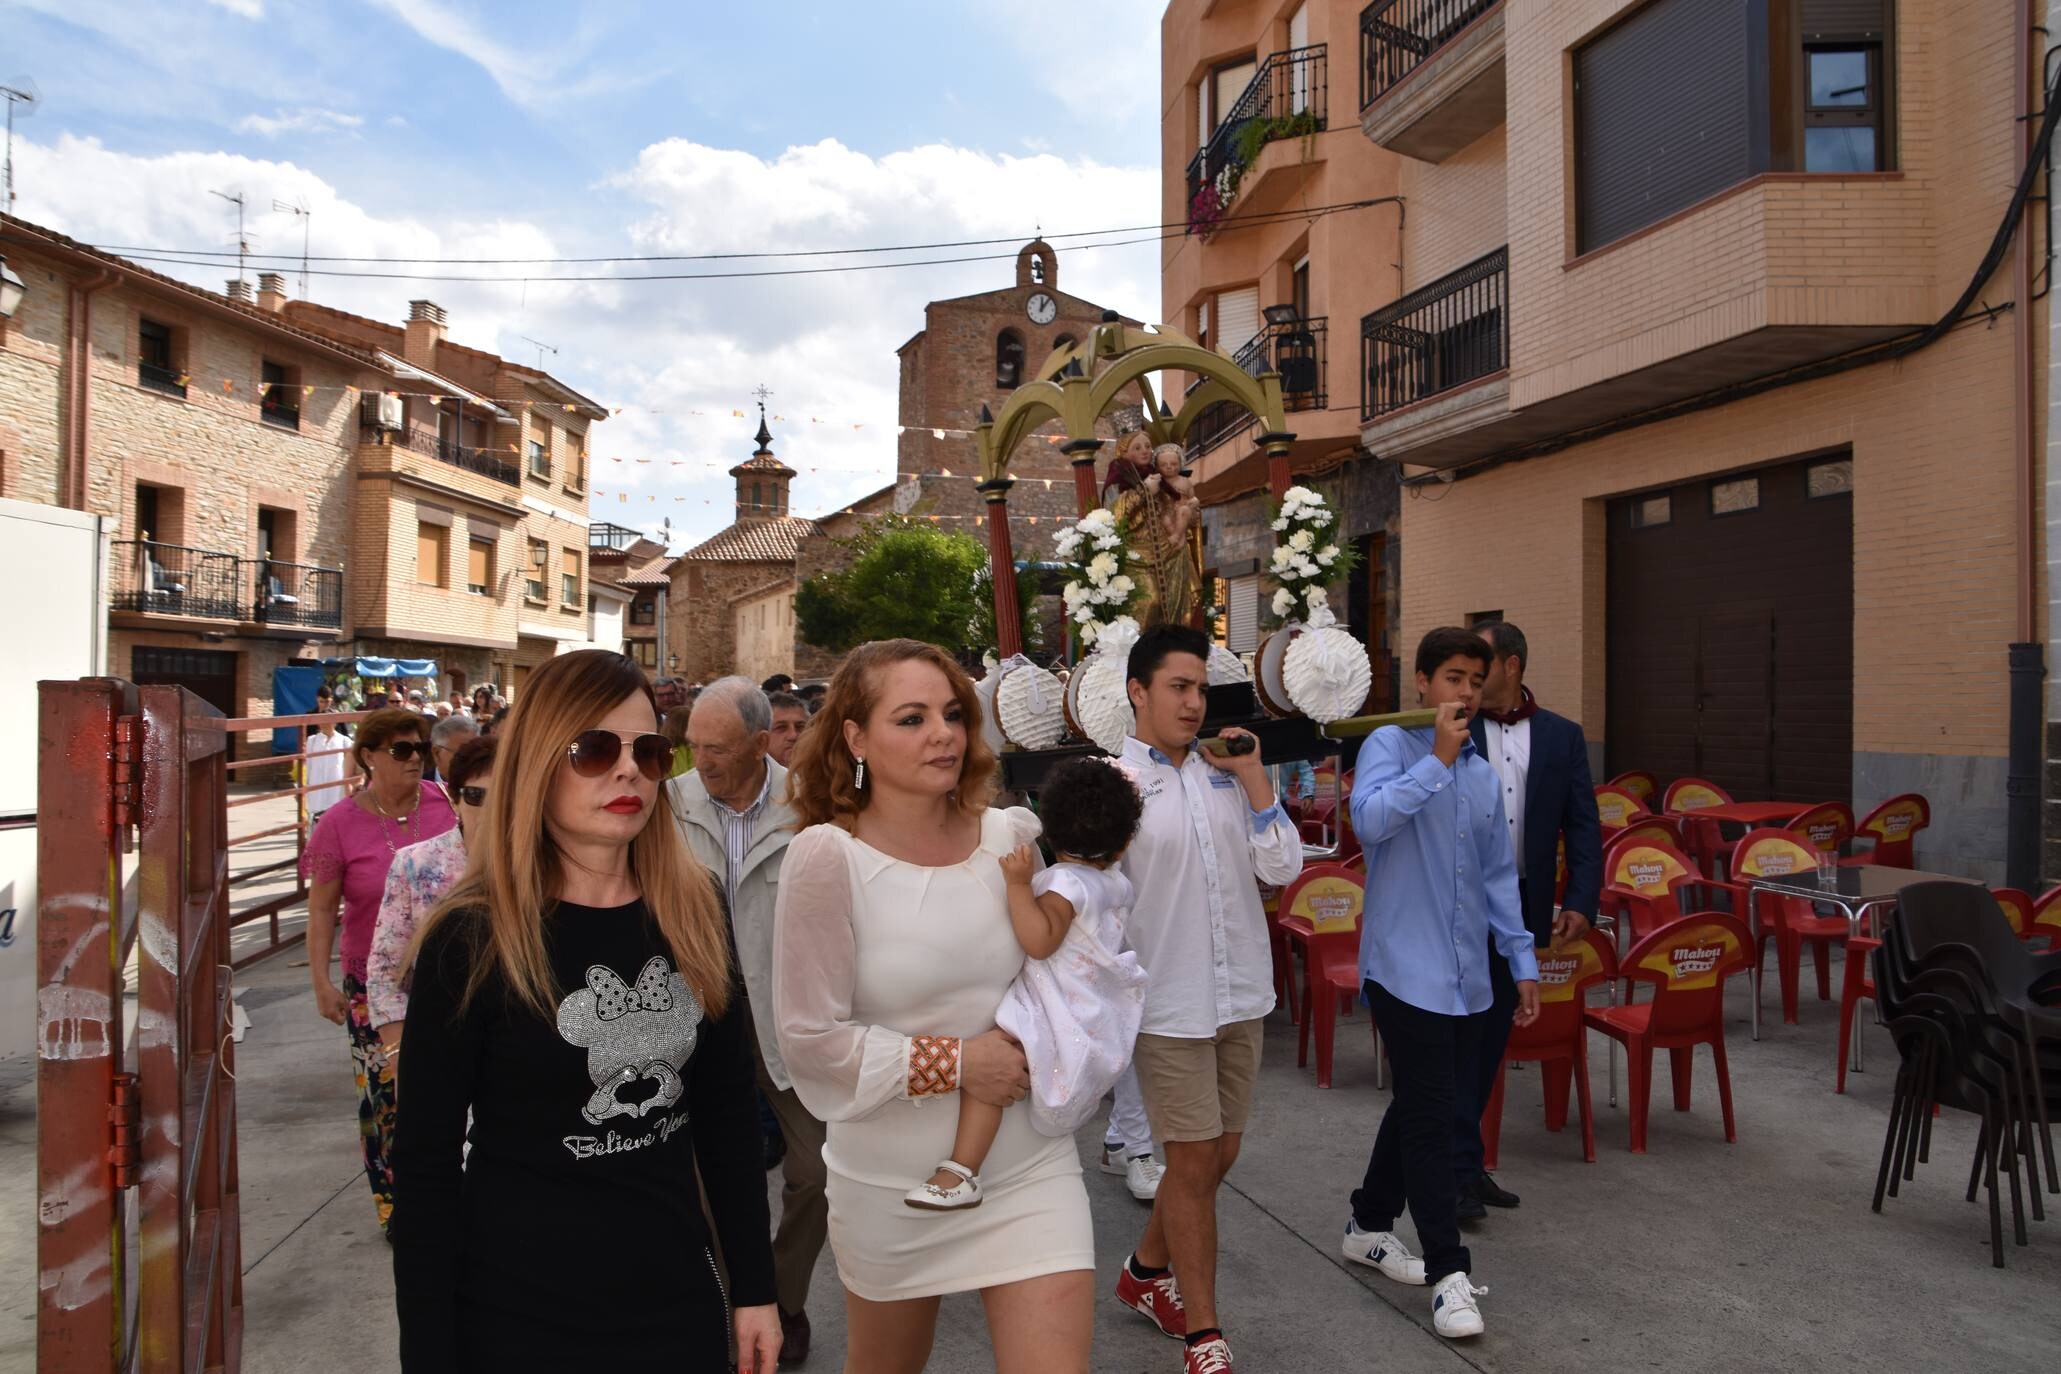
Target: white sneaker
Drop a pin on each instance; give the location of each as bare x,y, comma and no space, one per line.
1383,1250
1140,1173
1454,1313
1113,1160
931,1198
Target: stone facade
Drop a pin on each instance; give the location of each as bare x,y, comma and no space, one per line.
762,630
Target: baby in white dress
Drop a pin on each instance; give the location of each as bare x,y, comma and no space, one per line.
1077,1002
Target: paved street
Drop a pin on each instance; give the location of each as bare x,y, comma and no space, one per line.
1755,1256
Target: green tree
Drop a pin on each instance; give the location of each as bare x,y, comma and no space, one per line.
907,579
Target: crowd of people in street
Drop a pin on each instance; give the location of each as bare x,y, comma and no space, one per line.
642,942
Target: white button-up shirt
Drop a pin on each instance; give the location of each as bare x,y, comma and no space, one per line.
1509,753
1196,865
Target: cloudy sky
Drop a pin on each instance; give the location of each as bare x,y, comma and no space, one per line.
527,130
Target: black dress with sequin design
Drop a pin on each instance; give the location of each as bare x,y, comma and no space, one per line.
571,1235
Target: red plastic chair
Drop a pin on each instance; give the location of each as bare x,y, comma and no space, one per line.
1893,827
1640,784
1321,911
1828,826
1790,921
1703,839
1645,880
1558,1040
1858,983
1643,830
1687,964
2046,918
1616,807
2017,907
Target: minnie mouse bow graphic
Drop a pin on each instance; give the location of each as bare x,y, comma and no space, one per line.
632,1032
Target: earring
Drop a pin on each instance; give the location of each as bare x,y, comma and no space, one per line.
859,777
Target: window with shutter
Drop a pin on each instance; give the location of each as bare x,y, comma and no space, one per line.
479,567
1238,318
432,554
569,577
1241,608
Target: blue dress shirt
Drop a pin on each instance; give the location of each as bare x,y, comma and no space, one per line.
1441,878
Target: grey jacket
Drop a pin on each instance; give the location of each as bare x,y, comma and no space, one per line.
701,822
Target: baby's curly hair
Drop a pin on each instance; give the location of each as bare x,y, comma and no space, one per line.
1091,808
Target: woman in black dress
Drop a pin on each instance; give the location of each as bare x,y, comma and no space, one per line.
570,994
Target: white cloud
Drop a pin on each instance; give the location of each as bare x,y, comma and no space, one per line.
249,9
514,70
301,121
825,344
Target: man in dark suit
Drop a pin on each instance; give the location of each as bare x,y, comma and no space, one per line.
1542,760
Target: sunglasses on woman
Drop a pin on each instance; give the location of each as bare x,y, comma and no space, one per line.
473,796
594,752
405,749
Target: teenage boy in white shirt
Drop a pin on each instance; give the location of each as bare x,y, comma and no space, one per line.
1212,832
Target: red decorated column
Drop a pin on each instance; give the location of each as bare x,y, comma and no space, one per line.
1083,451
1276,445
1002,568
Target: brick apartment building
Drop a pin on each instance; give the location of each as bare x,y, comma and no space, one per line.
1630,393
1256,122
264,505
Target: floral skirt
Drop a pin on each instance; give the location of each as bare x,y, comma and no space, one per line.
375,1097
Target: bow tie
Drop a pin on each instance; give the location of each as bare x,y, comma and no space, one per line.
614,998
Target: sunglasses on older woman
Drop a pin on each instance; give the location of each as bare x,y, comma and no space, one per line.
405,749
594,752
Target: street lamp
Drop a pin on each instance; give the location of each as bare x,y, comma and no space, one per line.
1281,314
672,663
11,291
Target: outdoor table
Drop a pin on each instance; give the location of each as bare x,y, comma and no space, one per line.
1855,891
1747,814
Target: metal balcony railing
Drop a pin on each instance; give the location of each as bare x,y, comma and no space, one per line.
296,594
170,579
1442,335
1286,98
485,462
1294,348
168,380
603,535
285,414
1396,36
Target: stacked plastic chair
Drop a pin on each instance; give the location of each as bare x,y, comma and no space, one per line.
1976,1016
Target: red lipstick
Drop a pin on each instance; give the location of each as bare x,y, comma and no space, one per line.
625,805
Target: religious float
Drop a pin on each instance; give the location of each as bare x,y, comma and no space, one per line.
1134,563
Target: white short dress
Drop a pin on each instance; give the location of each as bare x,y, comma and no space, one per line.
867,952
1077,1010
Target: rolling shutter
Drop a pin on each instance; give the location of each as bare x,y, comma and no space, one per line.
1238,318
1299,73
1663,115
1241,612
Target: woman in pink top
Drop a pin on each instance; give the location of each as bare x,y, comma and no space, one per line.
346,864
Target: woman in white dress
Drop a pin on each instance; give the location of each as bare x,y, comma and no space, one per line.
892,949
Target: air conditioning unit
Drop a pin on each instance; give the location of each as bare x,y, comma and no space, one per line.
382,411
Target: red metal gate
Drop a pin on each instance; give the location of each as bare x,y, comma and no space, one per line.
138,1244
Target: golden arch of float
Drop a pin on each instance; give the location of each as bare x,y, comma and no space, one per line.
1077,386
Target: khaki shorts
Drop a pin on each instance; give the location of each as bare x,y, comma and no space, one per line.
1199,1089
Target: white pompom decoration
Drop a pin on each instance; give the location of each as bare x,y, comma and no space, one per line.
990,721
1326,674
1030,704
1226,667
1098,700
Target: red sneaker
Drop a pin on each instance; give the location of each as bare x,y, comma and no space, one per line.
1159,1299
1212,1356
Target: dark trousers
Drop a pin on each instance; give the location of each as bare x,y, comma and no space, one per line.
1476,1087
1412,1162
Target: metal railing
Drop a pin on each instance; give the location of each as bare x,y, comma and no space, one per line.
168,380
297,594
1442,335
170,579
279,413
485,462
1296,349
1286,98
603,535
1396,36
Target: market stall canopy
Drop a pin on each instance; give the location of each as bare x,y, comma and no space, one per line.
385,667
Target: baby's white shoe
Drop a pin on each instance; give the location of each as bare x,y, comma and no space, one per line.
931,1198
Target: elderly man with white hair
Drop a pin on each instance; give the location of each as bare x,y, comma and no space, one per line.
445,737
733,812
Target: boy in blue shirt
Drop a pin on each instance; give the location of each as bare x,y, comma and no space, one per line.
1441,882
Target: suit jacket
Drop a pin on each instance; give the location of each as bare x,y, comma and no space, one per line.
1559,800
751,920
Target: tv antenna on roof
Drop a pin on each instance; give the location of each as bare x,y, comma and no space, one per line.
299,209
17,90
541,347
243,240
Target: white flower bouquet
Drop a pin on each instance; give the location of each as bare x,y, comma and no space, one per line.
1307,557
1099,589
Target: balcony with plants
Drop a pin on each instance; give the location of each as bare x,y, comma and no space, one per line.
1283,104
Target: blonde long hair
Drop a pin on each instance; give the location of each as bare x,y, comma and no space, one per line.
516,871
819,780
